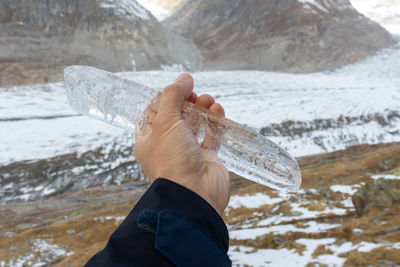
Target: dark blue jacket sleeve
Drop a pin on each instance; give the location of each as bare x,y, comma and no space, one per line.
169,226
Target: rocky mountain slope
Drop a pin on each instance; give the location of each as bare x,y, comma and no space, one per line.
340,217
39,38
289,35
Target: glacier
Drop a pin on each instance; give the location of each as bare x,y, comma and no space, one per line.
304,113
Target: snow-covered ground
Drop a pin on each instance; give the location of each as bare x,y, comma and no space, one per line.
42,253
36,122
246,256
305,113
305,222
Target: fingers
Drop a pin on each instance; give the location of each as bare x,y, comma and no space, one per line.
214,132
194,119
174,96
193,98
217,110
205,101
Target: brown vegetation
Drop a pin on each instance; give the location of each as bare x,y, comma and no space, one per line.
81,222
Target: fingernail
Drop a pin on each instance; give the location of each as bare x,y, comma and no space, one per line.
183,77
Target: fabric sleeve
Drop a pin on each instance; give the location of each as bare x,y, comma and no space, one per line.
169,226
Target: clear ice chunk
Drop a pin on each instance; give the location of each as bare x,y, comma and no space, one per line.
121,102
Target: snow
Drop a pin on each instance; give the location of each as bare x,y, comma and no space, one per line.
245,256
126,8
43,125
344,189
310,3
347,203
300,213
251,201
46,138
117,219
48,191
36,121
242,256
252,233
283,224
302,207
43,247
43,253
385,176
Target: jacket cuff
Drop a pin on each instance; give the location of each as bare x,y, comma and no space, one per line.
164,194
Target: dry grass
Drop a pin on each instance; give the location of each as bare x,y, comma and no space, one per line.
376,257
314,206
321,250
74,228
88,237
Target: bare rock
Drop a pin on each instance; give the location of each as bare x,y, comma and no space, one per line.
278,35
380,194
45,36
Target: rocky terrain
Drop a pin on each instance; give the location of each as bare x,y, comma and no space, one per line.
290,35
347,213
34,179
39,38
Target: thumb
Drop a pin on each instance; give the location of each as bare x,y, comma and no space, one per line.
173,98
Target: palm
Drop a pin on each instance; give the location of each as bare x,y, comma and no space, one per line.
167,148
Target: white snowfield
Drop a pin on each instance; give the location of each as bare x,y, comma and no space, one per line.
305,113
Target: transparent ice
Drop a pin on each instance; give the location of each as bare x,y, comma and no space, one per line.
122,102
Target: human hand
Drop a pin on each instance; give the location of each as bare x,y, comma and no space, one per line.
166,146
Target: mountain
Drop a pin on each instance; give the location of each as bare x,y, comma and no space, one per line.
278,35
39,38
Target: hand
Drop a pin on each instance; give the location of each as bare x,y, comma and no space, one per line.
166,147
